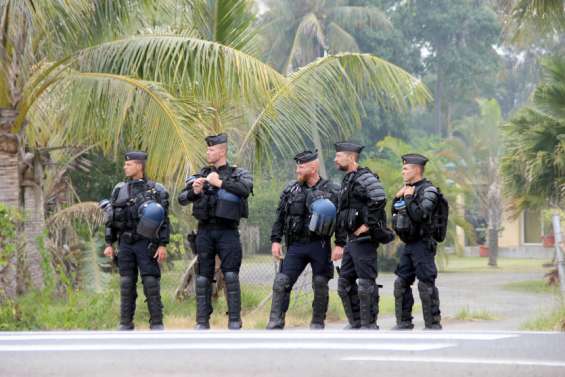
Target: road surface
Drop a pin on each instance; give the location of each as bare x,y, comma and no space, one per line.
283,353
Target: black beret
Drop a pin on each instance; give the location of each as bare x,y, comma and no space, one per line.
346,146
306,156
414,158
216,139
136,155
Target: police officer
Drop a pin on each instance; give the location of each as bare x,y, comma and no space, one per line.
137,217
219,195
412,209
361,227
306,218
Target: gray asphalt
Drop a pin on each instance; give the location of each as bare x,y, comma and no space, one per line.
286,353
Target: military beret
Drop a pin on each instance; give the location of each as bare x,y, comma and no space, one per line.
136,155
306,156
216,139
346,146
414,158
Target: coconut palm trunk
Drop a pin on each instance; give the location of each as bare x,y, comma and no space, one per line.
34,224
9,194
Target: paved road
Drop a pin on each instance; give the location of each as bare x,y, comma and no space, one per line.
288,353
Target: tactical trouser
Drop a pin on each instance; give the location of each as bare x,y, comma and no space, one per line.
430,305
128,295
233,292
280,302
320,303
152,290
348,293
368,303
203,302
403,303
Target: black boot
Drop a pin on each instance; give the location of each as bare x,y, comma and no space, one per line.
320,303
203,303
430,305
367,289
347,291
280,302
233,291
128,295
152,290
403,302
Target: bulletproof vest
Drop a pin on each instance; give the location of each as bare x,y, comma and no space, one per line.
352,207
298,199
127,200
218,203
407,229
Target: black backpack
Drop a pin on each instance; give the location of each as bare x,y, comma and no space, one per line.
440,218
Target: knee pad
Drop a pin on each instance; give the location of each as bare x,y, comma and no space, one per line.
231,277
320,282
343,287
127,281
281,283
202,282
150,285
367,286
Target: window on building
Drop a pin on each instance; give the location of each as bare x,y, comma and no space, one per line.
533,226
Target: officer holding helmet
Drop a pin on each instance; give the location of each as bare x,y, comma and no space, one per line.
306,219
136,216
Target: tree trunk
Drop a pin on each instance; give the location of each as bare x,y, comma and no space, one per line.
493,247
9,195
495,210
559,257
34,223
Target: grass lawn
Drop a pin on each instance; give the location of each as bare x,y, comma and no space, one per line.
478,264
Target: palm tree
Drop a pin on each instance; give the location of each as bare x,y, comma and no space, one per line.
528,20
107,73
303,31
533,164
55,77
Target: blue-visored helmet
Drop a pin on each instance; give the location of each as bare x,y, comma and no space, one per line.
323,217
151,217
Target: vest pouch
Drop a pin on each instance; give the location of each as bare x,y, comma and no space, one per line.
228,205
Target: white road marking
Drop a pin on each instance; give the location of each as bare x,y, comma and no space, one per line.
456,360
243,335
225,346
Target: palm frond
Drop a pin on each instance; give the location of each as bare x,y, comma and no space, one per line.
329,91
132,113
531,19
88,212
340,40
359,17
549,97
189,65
308,43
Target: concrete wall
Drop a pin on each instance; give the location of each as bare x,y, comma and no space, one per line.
526,252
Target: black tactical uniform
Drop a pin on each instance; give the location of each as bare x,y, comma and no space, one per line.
218,212
362,200
412,216
292,222
135,252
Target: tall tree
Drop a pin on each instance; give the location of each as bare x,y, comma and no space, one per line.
456,39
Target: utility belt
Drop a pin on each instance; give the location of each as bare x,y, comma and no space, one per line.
351,219
217,224
130,237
